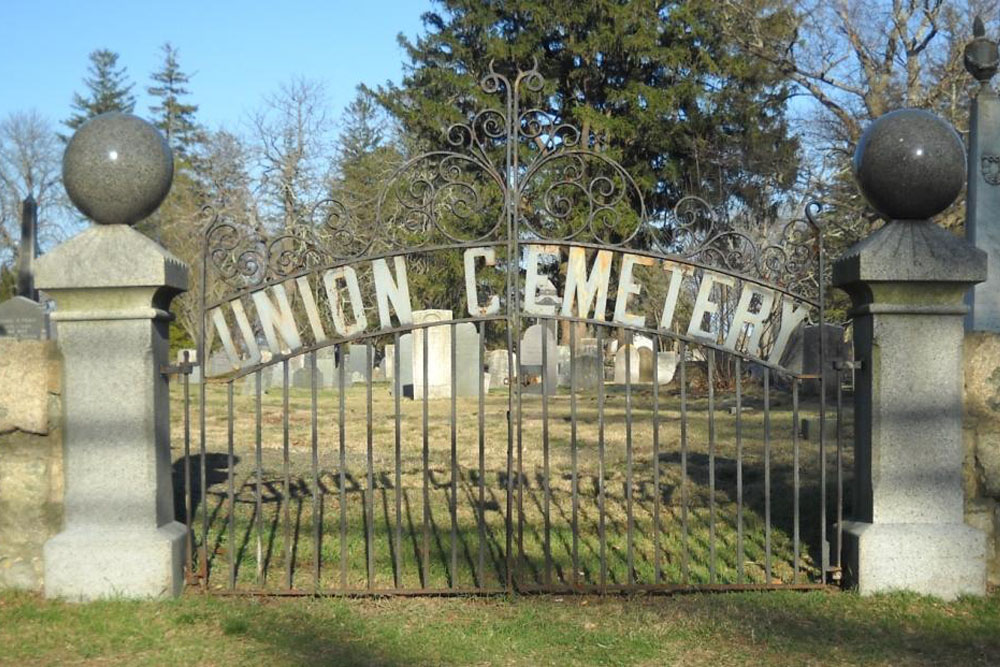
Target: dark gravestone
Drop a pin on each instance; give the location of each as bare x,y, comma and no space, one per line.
22,318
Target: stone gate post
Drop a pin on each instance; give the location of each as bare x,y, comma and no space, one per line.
112,287
907,282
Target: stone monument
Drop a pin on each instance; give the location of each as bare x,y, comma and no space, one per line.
112,287
907,283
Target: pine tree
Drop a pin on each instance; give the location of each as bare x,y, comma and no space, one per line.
658,86
108,90
171,115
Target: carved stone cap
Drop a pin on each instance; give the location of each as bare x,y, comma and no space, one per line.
912,251
110,256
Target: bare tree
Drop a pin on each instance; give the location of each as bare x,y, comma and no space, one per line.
291,136
30,163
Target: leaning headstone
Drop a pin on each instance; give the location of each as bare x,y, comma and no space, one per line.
389,362
23,318
666,366
302,377
803,353
588,367
646,357
531,360
627,354
499,367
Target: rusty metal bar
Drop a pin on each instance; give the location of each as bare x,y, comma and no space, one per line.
574,456
230,488
546,487
657,526
453,504
398,463
767,475
425,454
342,428
629,516
287,500
840,470
258,470
600,468
795,479
481,569
188,491
711,467
740,547
685,499
370,470
316,497
203,472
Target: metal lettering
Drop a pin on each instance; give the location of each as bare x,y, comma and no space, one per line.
279,320
627,287
386,290
589,290
745,318
489,256
531,280
791,317
350,278
703,305
312,312
677,273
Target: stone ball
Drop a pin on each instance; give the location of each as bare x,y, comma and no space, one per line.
117,169
910,165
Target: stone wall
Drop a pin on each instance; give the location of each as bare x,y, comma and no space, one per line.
981,466
31,477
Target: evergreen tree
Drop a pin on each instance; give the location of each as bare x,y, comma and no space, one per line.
108,89
171,115
657,86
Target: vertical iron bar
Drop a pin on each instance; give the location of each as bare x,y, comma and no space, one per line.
188,504
740,551
840,470
342,428
824,546
767,475
230,482
287,500
482,456
426,546
454,458
711,466
314,428
258,465
795,480
546,488
203,369
600,468
370,477
398,463
629,518
574,453
657,566
686,554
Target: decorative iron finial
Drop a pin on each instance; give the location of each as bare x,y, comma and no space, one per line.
981,55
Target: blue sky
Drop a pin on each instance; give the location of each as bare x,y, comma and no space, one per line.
238,51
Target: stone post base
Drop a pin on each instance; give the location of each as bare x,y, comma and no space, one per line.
946,560
87,564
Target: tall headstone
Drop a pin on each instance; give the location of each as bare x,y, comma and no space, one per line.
646,360
389,362
802,355
499,367
468,368
907,283
112,287
982,212
531,360
565,373
627,357
666,366
438,354
29,250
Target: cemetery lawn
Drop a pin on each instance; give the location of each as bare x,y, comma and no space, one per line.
272,548
780,628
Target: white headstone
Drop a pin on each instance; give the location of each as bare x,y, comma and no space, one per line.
632,354
666,366
531,360
588,367
499,369
438,355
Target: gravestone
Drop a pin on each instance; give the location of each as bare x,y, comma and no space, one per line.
666,366
531,360
630,354
438,355
194,377
389,362
302,377
357,360
564,371
646,357
23,318
499,368
641,341
405,352
803,352
588,367
326,364
219,364
469,370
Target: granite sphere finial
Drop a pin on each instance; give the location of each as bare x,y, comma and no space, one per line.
910,164
117,169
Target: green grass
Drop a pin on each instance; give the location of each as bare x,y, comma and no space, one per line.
781,628
263,548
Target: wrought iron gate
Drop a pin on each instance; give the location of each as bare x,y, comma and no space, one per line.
572,476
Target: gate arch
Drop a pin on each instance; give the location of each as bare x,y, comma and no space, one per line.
442,483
